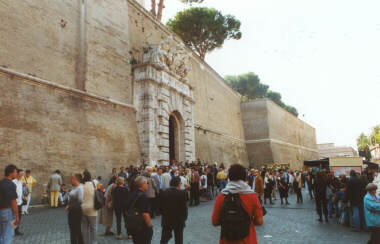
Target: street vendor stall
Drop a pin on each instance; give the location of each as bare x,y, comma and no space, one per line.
343,165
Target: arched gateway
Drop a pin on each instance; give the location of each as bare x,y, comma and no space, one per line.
164,101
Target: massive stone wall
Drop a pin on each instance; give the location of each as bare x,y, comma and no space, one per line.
273,135
44,127
67,88
217,112
81,116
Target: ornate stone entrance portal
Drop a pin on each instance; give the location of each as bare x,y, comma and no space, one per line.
164,101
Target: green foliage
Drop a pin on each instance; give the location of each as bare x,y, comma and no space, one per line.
362,142
250,87
204,29
375,135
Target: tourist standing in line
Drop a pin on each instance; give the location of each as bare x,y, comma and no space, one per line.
203,186
75,199
152,189
210,184
283,188
8,205
259,185
274,177
30,182
123,174
106,213
144,236
184,182
21,198
174,212
321,195
54,186
222,179
194,187
268,188
249,202
157,177
372,213
89,225
166,177
120,200
298,187
251,178
310,183
355,193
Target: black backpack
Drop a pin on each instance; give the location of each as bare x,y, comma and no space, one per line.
135,221
235,221
99,199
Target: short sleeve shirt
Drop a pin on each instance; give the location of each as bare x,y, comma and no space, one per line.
142,204
7,193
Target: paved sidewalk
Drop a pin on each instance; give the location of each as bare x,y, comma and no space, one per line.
293,224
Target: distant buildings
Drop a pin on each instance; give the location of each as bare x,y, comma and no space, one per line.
328,150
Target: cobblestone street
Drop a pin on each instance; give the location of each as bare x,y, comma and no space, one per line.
295,224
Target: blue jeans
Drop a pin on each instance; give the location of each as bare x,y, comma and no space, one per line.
359,219
331,206
6,230
222,184
356,217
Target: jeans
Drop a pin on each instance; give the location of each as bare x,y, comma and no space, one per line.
222,184
209,192
89,227
358,216
6,230
331,206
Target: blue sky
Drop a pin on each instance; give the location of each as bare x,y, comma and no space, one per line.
323,56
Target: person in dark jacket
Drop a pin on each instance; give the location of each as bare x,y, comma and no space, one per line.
355,193
320,195
120,200
174,212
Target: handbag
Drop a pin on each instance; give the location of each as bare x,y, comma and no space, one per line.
99,199
135,221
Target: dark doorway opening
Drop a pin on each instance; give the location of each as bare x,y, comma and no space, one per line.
172,132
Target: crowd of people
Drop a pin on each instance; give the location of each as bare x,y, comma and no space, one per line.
136,195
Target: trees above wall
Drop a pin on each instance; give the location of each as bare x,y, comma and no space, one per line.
250,87
204,29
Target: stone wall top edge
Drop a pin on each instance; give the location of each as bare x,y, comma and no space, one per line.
178,39
278,106
53,85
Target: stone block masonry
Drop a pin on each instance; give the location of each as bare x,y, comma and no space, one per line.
44,127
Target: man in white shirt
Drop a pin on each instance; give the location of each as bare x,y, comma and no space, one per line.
166,177
20,196
184,183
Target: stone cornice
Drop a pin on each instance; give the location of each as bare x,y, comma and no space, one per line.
86,95
151,73
216,132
